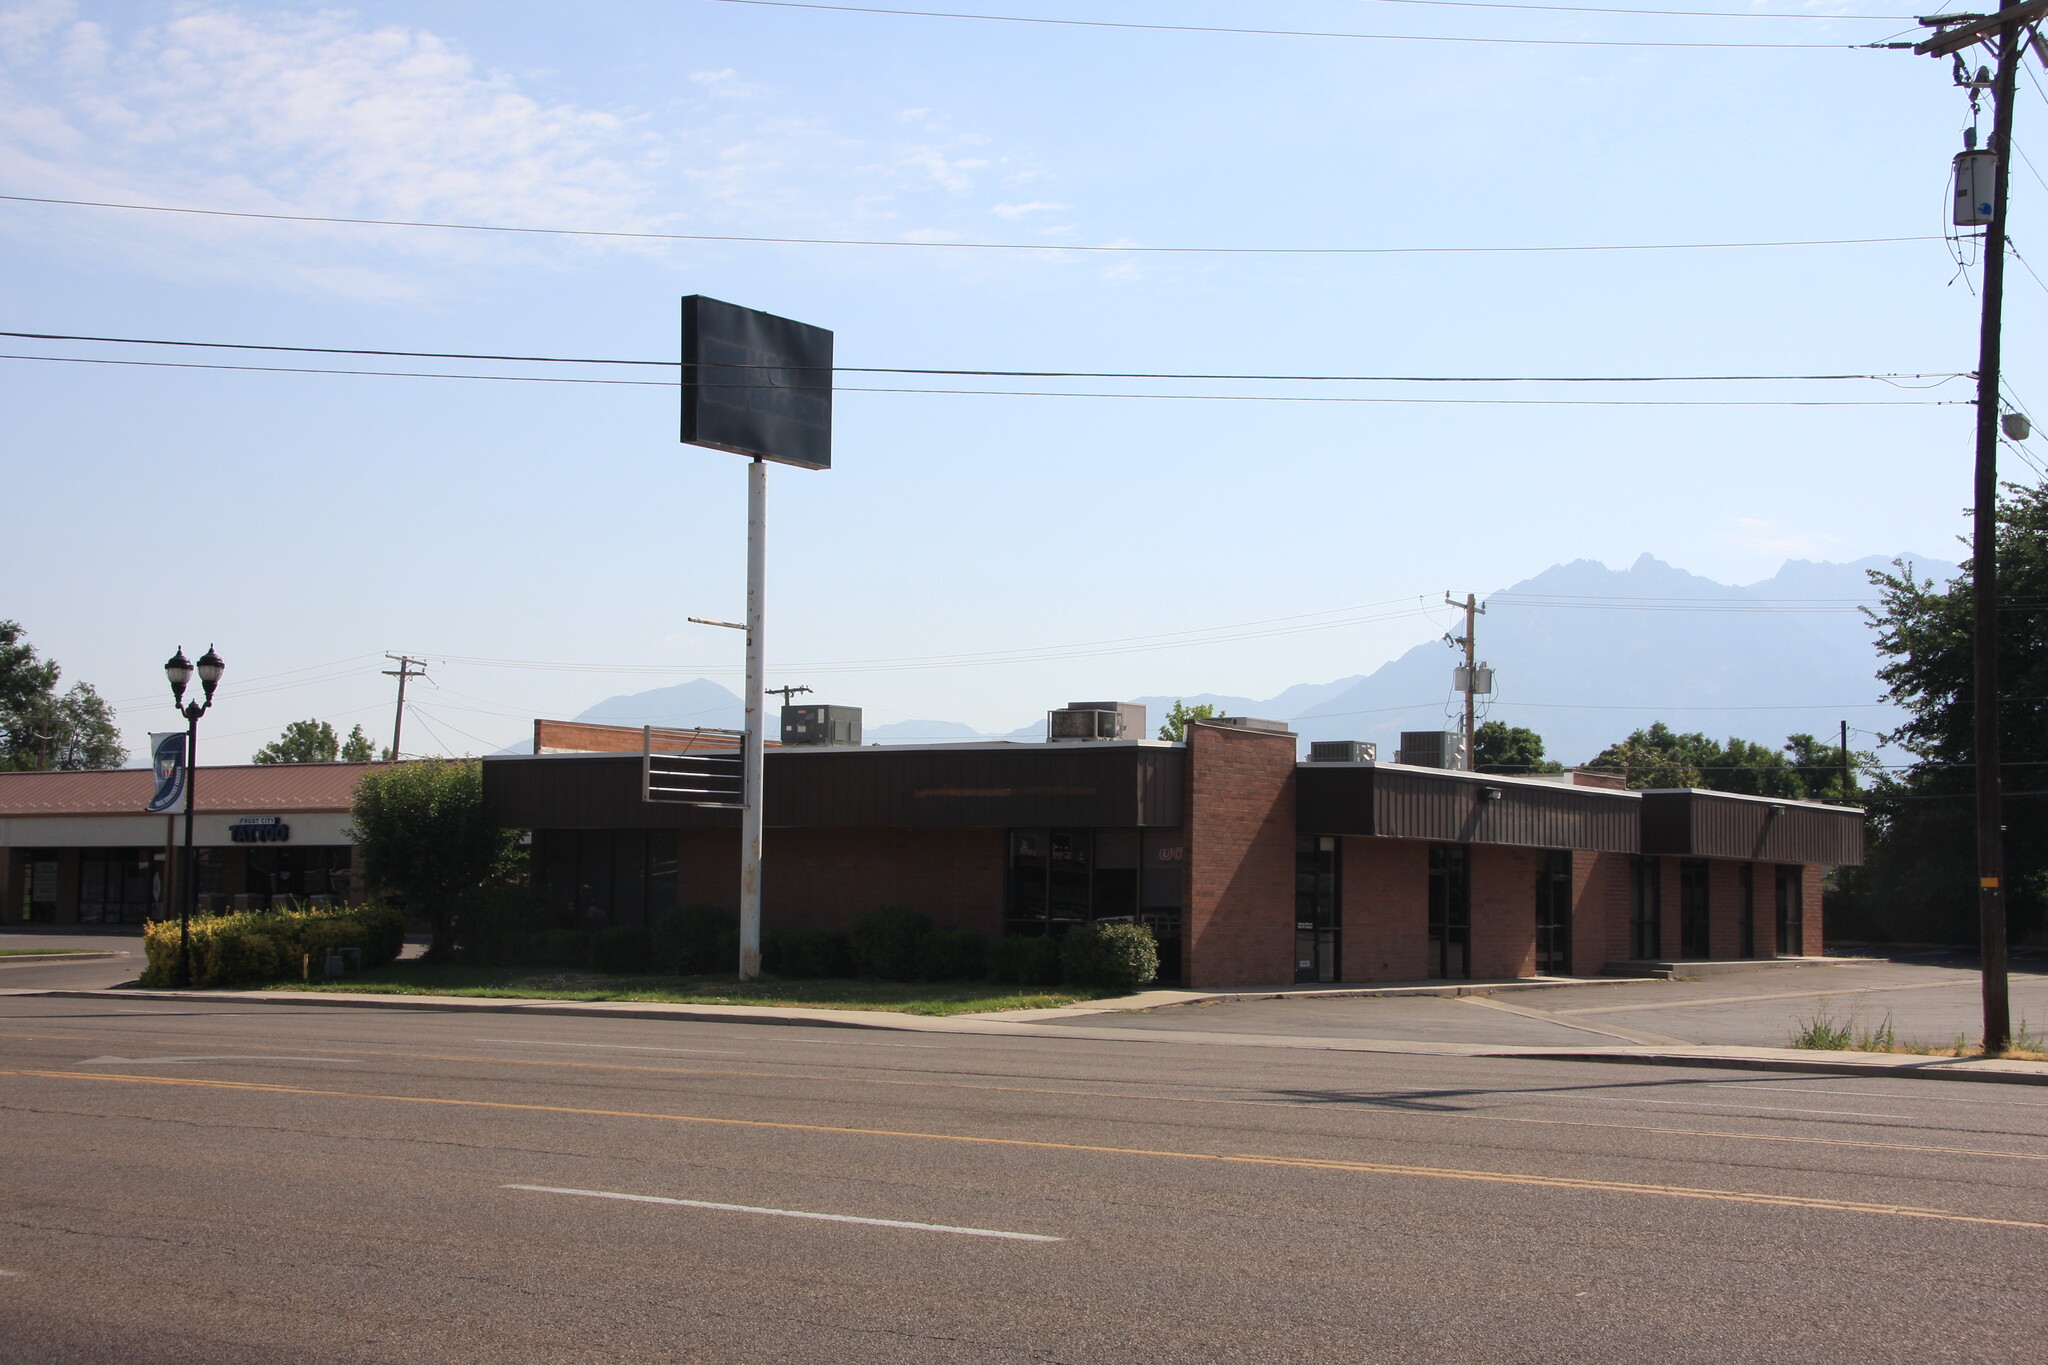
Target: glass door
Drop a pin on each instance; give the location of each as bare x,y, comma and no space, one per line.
1316,911
1791,913
1694,938
1450,911
1554,914
1646,910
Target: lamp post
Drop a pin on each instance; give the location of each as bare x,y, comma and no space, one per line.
179,670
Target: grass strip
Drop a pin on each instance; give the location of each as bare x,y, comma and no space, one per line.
934,998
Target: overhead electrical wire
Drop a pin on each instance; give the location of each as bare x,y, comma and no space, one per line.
1005,374
962,246
1655,13
1261,32
1018,393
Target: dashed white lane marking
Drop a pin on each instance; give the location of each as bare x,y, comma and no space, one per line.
789,1213
613,1047
12,1274
257,1057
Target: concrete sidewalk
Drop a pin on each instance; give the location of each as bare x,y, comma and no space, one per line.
1736,1057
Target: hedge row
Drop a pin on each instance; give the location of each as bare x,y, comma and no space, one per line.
258,945
512,927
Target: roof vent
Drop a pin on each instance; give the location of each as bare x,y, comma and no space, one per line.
1342,751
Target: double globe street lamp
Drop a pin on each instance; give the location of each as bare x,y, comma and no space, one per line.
179,670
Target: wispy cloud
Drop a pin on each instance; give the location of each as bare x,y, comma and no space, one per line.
1771,538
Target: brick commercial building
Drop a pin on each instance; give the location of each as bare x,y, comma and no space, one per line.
79,848
1253,868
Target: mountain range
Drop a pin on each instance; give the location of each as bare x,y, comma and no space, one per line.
1582,654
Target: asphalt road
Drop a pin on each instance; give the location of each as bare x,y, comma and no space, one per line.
222,1183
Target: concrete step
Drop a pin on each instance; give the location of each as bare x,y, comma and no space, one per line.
1686,967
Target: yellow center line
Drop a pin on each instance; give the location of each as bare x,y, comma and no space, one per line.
1254,1159
1109,1094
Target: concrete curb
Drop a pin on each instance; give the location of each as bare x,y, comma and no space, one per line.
1992,1071
59,955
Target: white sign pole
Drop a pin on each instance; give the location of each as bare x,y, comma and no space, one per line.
754,745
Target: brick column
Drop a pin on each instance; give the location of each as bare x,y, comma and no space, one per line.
1385,886
1504,910
1810,898
1601,893
1238,893
1724,908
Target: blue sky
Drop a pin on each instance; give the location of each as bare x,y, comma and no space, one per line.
306,523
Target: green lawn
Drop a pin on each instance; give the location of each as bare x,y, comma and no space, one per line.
524,983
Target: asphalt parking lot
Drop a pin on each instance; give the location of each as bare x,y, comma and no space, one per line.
1930,998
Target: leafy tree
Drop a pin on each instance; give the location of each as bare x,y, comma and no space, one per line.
1819,765
358,748
1661,757
42,729
1176,725
1920,884
1510,749
303,741
426,835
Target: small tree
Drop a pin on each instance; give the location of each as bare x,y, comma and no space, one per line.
1176,726
426,834
1510,749
359,748
303,741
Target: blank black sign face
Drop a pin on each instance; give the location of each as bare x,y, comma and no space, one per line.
756,384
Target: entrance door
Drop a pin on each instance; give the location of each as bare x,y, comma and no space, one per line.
1554,914
1646,910
1693,935
1450,911
1316,915
1791,912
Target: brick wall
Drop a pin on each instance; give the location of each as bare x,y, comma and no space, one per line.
822,878
1602,893
1504,910
1238,892
1385,885
1724,908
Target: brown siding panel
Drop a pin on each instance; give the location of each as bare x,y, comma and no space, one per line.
1702,824
1415,803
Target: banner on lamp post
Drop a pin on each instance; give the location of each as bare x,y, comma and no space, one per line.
167,761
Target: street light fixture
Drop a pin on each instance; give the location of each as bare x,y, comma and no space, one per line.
179,669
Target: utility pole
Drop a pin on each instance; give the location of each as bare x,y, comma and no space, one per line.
402,672
787,692
2007,33
1470,642
1848,775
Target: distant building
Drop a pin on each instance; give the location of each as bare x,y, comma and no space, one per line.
79,848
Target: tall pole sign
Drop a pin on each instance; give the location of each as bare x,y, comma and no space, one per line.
761,386
2007,33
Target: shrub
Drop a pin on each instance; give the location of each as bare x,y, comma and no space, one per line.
566,949
695,940
623,951
1110,956
494,924
259,944
952,955
423,831
808,954
1024,961
887,943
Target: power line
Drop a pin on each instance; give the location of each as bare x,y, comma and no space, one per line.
1259,32
1002,374
1045,393
962,246
1659,13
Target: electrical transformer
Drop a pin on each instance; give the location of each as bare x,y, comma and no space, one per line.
1975,175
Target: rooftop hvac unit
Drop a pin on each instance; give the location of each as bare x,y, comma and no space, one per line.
817,725
1342,751
1431,749
1275,727
1477,680
1082,721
